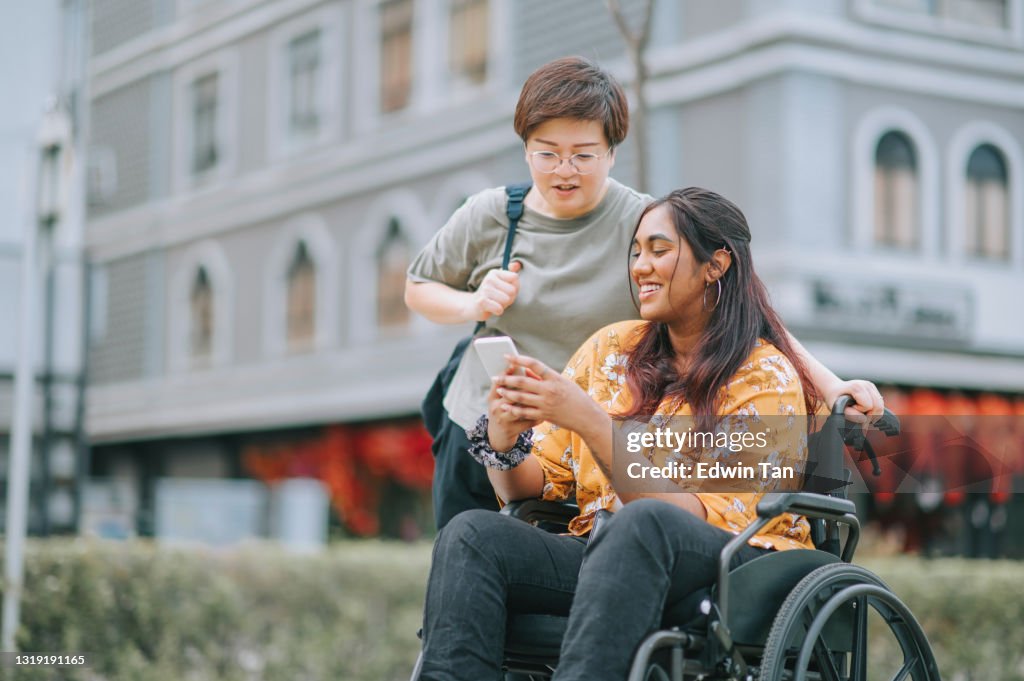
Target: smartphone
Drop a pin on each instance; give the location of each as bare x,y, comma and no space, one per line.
492,351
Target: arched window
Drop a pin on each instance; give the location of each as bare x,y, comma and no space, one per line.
201,316
987,205
392,262
301,316
896,192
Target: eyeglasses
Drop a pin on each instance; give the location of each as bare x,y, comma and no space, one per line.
548,161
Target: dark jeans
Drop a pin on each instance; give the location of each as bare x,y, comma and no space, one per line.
648,557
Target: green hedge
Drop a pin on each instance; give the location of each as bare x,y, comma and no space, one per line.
153,614
971,610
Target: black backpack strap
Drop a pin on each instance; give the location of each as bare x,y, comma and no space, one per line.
516,193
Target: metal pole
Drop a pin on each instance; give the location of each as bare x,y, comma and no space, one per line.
82,450
80,137
46,443
21,445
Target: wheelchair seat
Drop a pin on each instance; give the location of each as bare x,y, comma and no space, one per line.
767,580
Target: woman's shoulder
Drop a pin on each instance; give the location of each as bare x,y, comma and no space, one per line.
764,348
482,210
766,371
628,199
620,336
598,366
488,202
767,357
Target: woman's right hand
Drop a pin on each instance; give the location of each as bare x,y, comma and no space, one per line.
497,291
503,428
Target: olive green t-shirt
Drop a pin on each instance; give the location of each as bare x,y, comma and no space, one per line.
574,279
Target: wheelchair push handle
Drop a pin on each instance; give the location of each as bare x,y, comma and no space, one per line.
888,423
853,433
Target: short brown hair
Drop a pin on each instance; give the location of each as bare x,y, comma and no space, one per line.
573,87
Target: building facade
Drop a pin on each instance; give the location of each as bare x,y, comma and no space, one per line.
262,172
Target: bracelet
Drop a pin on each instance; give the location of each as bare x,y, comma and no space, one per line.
480,447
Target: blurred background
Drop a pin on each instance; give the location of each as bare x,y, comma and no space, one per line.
208,207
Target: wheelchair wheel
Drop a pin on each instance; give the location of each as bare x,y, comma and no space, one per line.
823,629
655,672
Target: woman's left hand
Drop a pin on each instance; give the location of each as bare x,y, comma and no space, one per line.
543,394
868,404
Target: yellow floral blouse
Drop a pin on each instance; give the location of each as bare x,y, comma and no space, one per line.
767,384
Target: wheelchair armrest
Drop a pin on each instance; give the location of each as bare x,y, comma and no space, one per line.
806,504
536,511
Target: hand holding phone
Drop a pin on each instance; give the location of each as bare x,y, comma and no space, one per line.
492,351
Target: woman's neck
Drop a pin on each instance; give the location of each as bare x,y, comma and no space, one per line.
684,337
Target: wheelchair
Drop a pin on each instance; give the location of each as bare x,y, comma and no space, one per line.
813,608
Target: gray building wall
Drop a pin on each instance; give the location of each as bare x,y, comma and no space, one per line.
758,100
122,123
115,22
540,32
120,353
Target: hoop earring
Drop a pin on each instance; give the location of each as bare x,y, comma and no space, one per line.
704,299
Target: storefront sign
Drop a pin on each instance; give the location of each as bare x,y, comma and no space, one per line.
898,311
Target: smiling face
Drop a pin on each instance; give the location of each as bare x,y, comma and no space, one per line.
670,280
565,193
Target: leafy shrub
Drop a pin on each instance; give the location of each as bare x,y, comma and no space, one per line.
147,613
971,611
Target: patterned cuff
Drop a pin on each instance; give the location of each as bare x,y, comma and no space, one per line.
481,450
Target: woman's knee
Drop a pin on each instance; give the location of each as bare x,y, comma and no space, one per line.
481,531
469,521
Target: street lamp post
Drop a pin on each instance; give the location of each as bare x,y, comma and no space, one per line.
49,213
54,143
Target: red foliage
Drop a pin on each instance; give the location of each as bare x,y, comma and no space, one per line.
353,462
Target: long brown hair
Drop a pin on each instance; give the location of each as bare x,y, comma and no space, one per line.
742,315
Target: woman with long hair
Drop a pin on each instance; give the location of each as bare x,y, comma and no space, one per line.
708,349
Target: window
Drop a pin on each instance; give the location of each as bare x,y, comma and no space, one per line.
304,74
301,303
896,192
982,13
392,263
395,54
304,67
204,123
201,313
467,41
201,301
206,96
987,215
